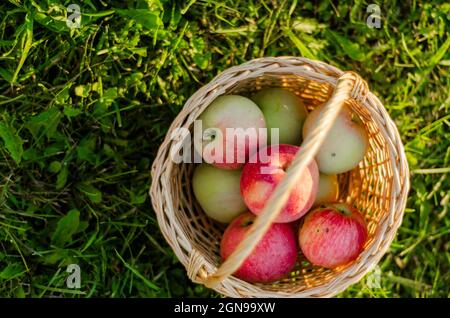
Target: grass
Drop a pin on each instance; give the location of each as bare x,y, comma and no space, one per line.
83,112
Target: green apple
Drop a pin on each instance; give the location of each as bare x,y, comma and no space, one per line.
346,142
328,191
284,110
218,192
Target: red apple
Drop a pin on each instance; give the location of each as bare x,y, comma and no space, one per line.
230,131
261,175
273,257
333,235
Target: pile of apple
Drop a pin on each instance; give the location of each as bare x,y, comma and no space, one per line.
330,234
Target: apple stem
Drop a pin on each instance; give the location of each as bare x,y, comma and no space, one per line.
342,208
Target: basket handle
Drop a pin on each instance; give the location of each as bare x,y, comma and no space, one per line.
349,85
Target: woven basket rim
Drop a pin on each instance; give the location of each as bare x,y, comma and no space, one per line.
318,71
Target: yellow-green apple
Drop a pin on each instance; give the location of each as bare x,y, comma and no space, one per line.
217,192
272,258
333,235
345,145
284,110
261,175
328,191
230,131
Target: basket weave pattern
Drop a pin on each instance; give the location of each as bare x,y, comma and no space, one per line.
378,186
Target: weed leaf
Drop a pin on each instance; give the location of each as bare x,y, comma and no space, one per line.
11,271
46,122
93,194
66,227
13,142
148,19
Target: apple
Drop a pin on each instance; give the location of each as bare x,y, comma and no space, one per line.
230,131
328,191
261,175
333,235
273,257
284,110
345,145
217,192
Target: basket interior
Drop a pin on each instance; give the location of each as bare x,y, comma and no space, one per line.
367,187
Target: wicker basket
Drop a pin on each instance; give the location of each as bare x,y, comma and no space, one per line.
378,186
